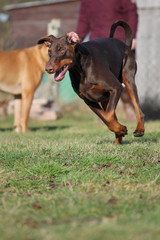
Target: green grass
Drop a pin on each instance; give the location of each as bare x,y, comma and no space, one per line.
67,180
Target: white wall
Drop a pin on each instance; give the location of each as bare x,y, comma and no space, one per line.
148,54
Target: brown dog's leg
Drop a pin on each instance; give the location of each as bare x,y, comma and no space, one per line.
27,97
17,114
128,80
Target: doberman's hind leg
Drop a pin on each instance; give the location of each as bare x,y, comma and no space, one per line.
128,80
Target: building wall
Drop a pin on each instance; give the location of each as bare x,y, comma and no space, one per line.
30,23
148,57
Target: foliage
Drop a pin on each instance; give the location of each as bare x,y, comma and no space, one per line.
67,180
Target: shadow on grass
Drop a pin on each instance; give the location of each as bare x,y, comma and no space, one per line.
129,142
6,129
34,129
47,128
140,140
105,141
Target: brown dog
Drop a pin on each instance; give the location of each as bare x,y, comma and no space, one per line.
97,69
20,74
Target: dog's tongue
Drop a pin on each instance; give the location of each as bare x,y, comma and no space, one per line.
59,75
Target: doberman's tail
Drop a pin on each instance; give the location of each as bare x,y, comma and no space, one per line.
127,29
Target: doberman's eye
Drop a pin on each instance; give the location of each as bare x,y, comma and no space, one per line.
61,50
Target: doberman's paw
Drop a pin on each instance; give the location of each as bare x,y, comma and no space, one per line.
138,133
123,131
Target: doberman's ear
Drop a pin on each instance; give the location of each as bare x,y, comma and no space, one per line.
47,40
72,38
81,49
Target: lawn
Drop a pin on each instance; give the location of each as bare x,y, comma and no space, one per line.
67,180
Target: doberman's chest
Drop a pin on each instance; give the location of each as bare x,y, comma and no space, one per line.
87,90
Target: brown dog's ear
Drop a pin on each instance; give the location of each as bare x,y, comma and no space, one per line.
47,40
72,37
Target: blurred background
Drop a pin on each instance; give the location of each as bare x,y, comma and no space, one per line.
23,22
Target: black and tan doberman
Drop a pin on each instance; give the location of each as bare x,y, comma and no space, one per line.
97,70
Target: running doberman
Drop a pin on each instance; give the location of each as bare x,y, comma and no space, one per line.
97,70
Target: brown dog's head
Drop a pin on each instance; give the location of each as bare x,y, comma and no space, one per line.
61,53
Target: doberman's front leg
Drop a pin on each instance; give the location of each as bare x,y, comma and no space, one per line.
106,111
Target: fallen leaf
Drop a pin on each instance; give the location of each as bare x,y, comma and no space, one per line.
36,205
112,201
66,164
67,183
31,224
108,165
106,183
